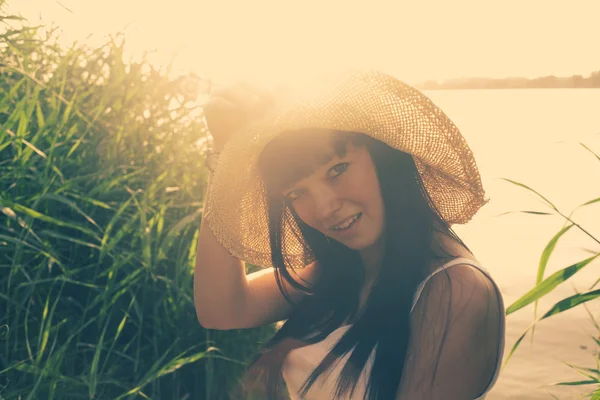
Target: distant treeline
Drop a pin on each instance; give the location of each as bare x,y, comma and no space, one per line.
575,81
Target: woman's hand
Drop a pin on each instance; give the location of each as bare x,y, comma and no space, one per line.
232,106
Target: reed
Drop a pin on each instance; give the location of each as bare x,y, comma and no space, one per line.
546,284
101,193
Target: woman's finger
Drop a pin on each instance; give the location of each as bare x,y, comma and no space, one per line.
242,93
221,116
219,105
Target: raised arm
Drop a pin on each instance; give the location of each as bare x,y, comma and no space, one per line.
455,337
226,298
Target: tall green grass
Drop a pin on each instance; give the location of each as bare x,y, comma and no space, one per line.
545,285
101,189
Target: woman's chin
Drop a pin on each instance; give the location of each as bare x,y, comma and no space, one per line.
359,243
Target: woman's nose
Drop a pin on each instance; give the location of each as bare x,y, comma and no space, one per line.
327,203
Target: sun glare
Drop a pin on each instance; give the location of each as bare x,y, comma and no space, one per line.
268,41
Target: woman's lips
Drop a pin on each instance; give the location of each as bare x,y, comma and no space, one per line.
352,224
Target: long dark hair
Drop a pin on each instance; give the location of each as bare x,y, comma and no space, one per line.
411,220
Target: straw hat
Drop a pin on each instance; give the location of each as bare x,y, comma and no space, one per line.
366,101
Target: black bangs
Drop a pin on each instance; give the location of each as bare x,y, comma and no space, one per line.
294,155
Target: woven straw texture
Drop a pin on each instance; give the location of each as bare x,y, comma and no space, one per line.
366,101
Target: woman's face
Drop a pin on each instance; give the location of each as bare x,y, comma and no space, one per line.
342,199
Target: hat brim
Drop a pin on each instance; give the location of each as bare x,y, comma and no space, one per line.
366,101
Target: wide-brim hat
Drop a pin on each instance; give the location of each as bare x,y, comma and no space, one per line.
365,101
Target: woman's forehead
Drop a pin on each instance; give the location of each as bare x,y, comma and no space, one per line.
290,159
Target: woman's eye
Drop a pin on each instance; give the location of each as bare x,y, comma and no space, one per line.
293,195
338,169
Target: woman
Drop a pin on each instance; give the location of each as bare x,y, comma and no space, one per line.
347,189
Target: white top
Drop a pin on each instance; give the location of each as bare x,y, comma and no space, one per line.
300,362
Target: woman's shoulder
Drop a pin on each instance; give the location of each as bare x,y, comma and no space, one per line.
462,279
461,286
459,312
460,276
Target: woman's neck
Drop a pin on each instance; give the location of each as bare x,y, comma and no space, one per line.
443,245
371,258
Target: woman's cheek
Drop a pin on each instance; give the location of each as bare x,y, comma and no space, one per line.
303,211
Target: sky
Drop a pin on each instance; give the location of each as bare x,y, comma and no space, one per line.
269,39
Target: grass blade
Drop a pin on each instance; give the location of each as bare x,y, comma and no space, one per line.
590,150
549,284
531,190
42,217
561,306
525,212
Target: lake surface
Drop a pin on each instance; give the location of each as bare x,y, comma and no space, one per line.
532,136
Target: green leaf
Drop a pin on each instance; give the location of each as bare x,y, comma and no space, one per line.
105,238
548,285
525,212
548,252
93,378
570,302
585,371
168,368
42,217
530,189
561,306
576,383
72,205
32,147
174,231
39,114
69,238
117,334
590,202
95,202
21,242
590,150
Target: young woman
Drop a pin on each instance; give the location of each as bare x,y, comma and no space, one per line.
346,191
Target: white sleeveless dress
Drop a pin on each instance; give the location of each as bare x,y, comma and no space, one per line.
300,362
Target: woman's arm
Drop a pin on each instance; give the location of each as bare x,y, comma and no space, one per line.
226,298
455,337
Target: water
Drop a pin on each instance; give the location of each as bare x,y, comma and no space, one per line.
532,136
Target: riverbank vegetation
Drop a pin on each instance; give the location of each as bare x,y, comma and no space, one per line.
101,188
546,284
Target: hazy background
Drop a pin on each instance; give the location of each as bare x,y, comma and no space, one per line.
417,41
